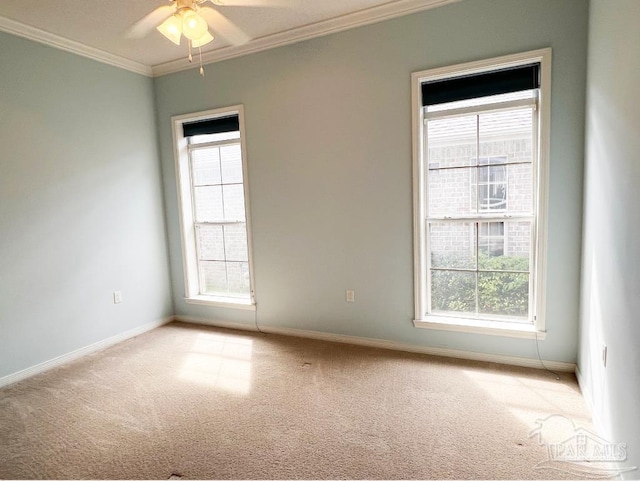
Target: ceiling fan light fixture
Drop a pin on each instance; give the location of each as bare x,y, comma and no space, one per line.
172,28
194,27
205,39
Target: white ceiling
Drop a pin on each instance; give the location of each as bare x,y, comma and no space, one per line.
98,28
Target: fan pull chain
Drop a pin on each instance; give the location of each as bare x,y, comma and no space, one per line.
190,56
201,67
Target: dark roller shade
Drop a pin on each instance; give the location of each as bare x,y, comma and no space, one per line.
212,126
497,82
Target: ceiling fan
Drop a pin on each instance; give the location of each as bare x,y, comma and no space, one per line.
193,20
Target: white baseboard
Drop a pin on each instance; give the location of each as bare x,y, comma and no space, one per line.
383,344
322,336
83,351
215,323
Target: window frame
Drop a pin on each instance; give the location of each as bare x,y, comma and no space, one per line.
540,184
187,214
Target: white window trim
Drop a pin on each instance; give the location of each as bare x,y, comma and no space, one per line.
186,215
541,182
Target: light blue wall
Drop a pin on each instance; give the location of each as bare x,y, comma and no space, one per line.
329,156
610,307
80,204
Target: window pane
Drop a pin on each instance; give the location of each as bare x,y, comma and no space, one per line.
233,202
210,243
453,244
453,291
496,173
213,277
519,241
520,188
492,195
504,246
451,192
492,184
503,294
208,201
205,164
505,188
235,241
231,164
490,241
227,279
238,274
452,141
507,134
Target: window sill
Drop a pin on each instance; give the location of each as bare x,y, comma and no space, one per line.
228,302
493,328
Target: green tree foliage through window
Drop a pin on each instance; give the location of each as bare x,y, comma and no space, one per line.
500,290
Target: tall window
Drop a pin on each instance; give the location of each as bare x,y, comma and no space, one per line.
213,193
480,180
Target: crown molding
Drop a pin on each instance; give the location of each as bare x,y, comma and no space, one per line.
319,29
53,40
326,27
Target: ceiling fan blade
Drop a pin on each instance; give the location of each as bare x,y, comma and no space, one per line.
145,25
224,27
253,3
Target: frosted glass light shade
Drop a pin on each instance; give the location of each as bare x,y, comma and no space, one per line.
206,38
194,27
172,28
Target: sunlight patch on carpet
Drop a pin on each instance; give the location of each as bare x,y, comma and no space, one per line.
526,398
220,361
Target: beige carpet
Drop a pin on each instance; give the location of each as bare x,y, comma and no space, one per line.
208,403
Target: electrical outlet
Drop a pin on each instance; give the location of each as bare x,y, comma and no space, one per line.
351,296
604,355
117,297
